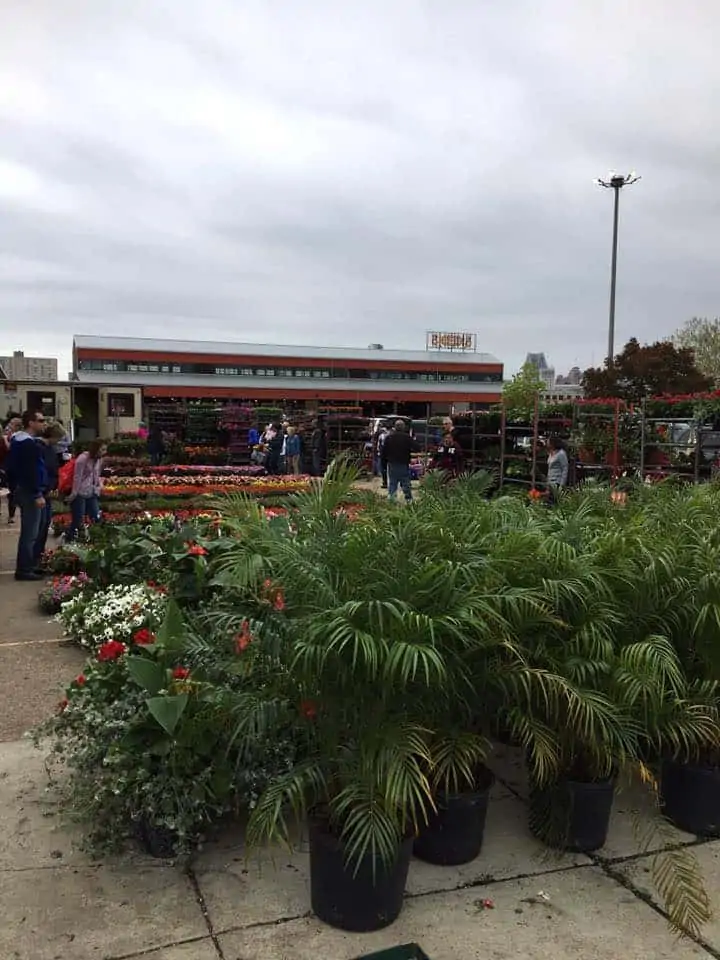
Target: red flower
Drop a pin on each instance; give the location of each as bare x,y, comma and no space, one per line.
195,550
244,638
62,706
279,601
111,650
180,673
158,587
308,709
144,637
81,680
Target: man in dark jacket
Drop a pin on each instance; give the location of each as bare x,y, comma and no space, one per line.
27,480
53,460
398,450
318,444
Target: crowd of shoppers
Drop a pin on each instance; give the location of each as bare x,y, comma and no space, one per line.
32,455
284,448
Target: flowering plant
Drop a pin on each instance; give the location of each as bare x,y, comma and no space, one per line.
113,614
66,559
60,590
145,720
140,516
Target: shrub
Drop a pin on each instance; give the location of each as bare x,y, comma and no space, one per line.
142,724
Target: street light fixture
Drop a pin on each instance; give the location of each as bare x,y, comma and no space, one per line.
616,181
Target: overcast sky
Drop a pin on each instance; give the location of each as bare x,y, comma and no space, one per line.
325,172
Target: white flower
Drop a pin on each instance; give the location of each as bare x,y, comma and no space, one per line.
112,614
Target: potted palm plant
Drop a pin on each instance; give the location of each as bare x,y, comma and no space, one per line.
625,691
677,602
359,635
469,536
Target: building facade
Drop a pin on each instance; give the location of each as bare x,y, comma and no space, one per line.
544,371
64,401
20,367
374,379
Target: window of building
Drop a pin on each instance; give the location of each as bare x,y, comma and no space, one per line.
121,405
338,373
44,402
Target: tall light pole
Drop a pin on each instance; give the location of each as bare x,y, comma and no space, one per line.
616,181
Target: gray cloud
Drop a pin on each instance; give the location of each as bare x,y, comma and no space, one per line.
325,173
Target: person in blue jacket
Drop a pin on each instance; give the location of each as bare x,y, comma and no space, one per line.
48,442
27,480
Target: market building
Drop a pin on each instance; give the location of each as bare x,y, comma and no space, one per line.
373,380
119,381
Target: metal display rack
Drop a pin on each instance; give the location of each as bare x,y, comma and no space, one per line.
693,442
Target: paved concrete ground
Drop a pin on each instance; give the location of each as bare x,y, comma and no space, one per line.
59,904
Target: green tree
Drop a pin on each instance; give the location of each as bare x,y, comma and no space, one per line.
702,336
520,393
646,371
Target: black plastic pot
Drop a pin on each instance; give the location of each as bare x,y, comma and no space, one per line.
572,815
454,833
408,951
690,795
156,841
358,901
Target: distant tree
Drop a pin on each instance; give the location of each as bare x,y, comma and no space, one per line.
649,370
520,393
702,336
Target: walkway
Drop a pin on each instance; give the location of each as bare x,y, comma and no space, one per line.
59,904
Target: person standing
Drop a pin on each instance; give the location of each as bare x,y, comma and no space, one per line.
53,460
398,450
26,480
558,465
11,428
382,456
156,445
275,441
318,443
292,451
85,495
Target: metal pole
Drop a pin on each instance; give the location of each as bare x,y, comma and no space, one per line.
643,416
613,277
503,434
536,416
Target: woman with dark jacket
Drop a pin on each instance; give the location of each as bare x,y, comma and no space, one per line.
275,446
156,445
